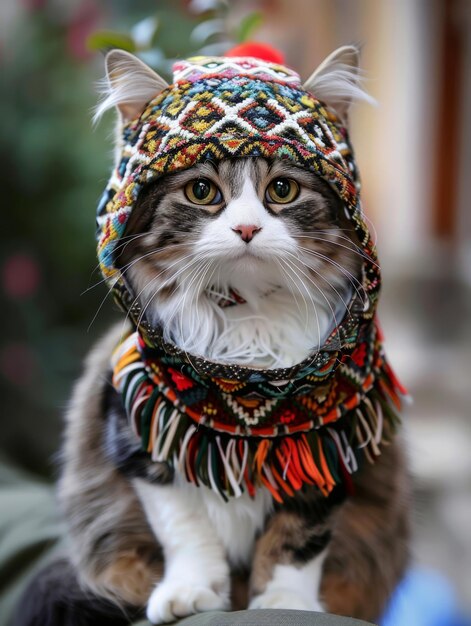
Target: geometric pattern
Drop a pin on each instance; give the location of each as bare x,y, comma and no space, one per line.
326,417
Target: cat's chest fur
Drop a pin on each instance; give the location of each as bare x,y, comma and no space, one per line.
238,521
271,329
235,523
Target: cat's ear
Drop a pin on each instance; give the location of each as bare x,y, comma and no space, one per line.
337,81
129,85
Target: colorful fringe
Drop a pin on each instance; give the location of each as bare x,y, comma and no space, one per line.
181,419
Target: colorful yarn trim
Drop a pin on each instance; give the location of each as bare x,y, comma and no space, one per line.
232,435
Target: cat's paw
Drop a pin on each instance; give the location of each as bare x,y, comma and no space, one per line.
171,600
284,599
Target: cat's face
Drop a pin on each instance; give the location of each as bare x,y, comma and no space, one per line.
274,233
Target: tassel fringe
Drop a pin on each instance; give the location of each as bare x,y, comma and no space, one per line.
228,464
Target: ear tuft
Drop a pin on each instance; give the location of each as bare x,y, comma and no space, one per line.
129,84
337,81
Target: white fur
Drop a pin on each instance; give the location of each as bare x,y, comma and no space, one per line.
293,587
285,316
337,80
129,83
200,535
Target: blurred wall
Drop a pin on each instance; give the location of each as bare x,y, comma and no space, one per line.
402,56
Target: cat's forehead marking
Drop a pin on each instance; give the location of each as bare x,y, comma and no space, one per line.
239,174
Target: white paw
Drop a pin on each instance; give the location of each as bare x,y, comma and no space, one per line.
284,599
171,600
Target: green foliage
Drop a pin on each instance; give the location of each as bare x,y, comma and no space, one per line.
248,26
161,38
107,39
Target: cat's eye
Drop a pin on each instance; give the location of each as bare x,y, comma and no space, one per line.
202,191
282,191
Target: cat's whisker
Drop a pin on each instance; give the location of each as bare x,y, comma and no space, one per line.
166,269
362,295
351,278
163,271
326,232
322,292
292,268
153,280
356,249
346,305
293,293
197,276
123,241
152,252
326,257
100,306
334,230
200,284
126,267
371,228
199,272
352,247
174,276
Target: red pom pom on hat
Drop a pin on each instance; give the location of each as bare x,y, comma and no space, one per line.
262,51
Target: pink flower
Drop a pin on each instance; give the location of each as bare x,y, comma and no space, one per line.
82,24
20,276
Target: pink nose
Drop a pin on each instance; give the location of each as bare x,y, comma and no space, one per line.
247,231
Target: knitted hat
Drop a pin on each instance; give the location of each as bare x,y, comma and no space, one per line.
219,108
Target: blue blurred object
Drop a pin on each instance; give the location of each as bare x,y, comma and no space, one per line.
424,598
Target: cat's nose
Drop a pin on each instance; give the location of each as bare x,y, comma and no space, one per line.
247,231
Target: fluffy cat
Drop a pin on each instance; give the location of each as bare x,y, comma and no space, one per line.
245,261
192,255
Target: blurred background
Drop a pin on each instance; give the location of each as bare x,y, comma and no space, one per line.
414,154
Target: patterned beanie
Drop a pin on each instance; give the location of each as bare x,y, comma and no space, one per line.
221,108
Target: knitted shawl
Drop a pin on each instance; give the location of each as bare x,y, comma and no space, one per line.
232,427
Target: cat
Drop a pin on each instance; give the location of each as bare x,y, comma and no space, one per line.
250,262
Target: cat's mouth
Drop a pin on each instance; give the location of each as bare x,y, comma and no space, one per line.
250,253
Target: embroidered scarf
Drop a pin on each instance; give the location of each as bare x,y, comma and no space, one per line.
225,426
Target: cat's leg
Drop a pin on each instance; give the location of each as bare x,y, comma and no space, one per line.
111,546
196,572
369,549
288,563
